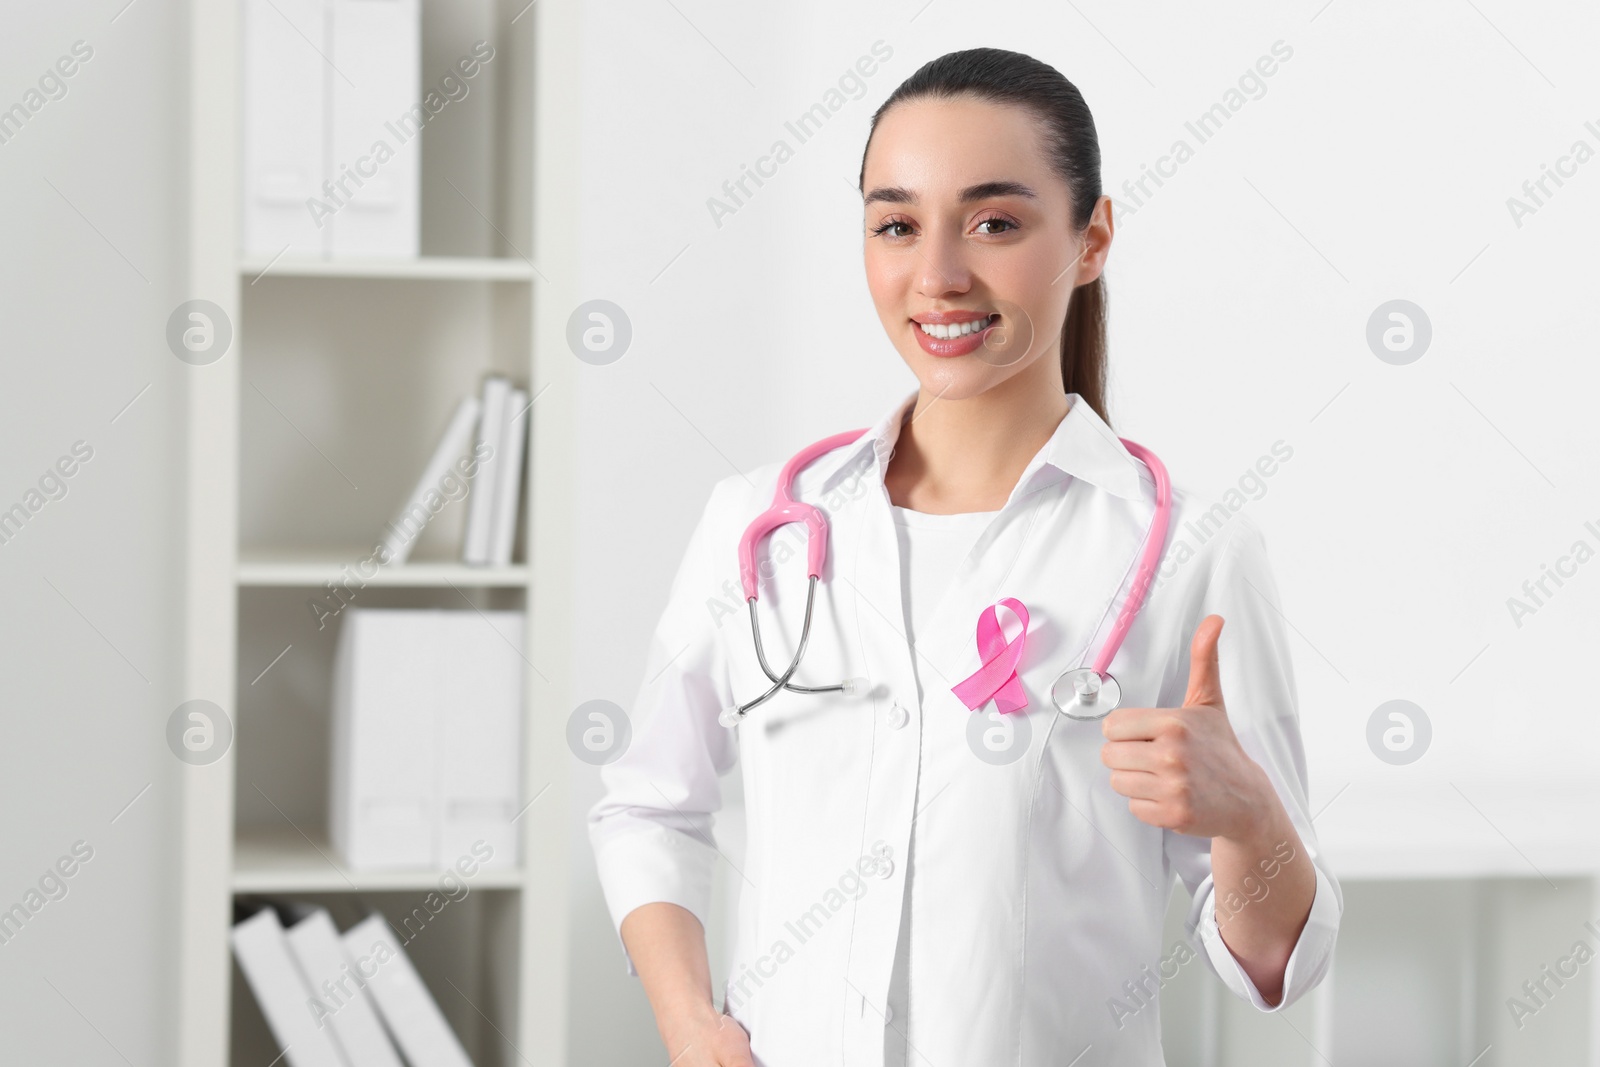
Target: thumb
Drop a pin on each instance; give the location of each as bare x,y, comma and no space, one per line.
1205,678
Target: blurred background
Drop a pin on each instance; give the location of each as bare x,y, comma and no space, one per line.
1351,236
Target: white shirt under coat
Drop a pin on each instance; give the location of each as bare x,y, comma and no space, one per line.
1037,898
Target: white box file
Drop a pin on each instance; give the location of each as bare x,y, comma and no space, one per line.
479,734
427,737
332,157
285,116
377,47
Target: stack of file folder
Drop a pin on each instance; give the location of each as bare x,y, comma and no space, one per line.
341,1000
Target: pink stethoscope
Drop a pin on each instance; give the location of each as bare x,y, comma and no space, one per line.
1085,693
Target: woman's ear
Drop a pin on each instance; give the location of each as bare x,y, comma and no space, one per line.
1097,241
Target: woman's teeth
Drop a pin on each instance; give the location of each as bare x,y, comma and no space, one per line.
955,329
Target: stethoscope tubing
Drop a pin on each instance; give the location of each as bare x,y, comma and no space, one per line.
781,681
1154,544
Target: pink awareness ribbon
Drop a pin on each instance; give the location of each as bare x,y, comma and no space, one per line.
997,678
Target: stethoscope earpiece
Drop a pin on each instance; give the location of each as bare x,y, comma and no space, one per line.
1085,694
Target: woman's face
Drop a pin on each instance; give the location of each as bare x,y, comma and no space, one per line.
969,235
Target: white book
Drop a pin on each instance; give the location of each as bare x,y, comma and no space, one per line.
339,991
412,1015
382,807
284,115
374,135
479,750
480,502
429,497
279,987
509,488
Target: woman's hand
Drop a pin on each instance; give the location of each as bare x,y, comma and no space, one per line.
714,1039
1182,768
668,949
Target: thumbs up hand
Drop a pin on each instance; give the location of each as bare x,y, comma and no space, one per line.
1182,768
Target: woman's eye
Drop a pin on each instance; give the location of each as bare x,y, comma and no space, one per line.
889,227
1006,223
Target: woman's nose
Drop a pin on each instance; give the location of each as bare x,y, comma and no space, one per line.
943,265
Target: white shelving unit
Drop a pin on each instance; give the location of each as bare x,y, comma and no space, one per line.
303,440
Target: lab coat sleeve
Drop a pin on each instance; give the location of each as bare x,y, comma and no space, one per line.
1259,688
652,830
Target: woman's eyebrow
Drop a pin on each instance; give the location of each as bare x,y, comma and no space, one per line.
894,194
989,190
891,194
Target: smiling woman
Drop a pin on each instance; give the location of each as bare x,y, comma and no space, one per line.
988,246
1036,849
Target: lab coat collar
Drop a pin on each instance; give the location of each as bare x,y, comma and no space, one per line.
1082,446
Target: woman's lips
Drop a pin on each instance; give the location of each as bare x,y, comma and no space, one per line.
955,346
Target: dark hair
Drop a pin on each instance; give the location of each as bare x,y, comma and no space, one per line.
1073,149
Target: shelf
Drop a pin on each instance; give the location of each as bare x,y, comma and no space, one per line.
446,268
1380,828
311,568
285,861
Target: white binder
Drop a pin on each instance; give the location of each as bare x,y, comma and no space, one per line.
508,493
281,991
413,1016
344,1001
427,495
481,501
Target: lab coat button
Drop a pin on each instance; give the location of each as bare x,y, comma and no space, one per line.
878,862
897,716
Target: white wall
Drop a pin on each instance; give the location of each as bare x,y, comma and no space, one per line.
90,637
1375,165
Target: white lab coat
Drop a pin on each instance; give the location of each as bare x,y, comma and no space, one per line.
1037,899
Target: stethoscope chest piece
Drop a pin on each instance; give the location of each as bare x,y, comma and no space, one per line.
1085,694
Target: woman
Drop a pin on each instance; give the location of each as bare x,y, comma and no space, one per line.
924,881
